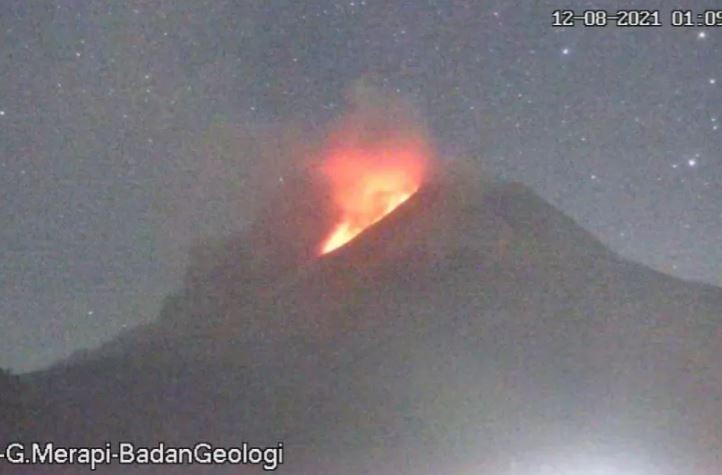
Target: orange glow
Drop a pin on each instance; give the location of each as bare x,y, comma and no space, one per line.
371,180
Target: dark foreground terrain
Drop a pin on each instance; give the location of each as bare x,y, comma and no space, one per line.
475,330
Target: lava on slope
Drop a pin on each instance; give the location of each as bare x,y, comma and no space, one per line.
376,158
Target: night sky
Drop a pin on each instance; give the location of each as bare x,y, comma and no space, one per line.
129,129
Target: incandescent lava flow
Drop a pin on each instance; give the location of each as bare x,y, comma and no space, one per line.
376,159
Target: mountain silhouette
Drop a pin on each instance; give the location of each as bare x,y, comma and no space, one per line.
475,329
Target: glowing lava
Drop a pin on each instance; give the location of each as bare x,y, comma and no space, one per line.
370,181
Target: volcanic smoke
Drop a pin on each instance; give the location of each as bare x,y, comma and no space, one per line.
376,158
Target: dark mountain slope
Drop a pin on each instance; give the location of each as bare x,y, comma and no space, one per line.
474,329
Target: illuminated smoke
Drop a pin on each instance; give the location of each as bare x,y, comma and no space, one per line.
376,158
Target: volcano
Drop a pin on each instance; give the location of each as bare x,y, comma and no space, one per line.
474,329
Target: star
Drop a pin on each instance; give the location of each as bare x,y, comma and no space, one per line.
2,113
692,162
702,35
566,51
712,81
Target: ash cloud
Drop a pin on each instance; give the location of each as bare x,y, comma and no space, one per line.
265,181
